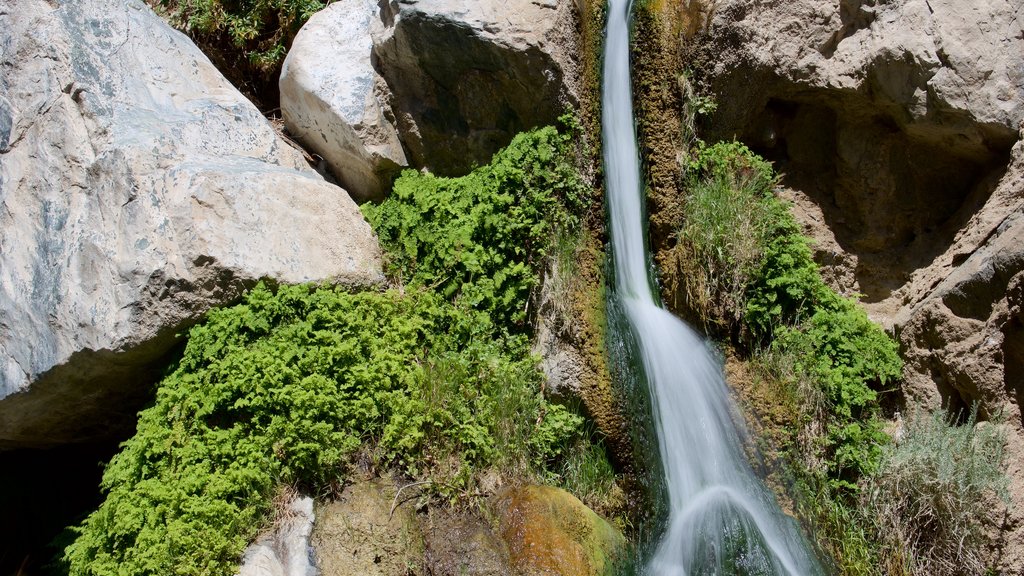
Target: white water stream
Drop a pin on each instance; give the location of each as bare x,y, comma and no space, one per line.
722,520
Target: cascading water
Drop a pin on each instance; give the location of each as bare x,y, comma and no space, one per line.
721,518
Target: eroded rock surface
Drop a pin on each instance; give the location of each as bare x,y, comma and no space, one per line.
897,124
138,189
894,117
455,79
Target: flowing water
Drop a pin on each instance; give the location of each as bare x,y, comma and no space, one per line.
721,518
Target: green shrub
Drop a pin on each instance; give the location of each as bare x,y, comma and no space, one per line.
286,388
481,240
260,29
849,357
934,494
727,225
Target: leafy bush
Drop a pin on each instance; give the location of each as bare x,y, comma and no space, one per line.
260,29
481,240
933,494
286,388
849,357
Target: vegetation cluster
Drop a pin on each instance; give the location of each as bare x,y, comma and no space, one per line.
294,387
246,40
260,29
917,506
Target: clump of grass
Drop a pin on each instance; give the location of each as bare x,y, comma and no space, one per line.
727,223
587,472
934,494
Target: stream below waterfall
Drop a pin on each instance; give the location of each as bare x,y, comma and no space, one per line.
722,520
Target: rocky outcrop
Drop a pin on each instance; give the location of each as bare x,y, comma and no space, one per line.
897,125
374,528
894,117
457,79
360,534
334,101
139,190
285,550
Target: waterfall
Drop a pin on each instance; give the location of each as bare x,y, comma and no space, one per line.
722,520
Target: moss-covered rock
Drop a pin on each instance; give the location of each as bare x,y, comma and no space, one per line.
550,532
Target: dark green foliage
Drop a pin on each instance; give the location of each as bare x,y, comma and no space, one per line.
481,240
850,357
285,389
260,29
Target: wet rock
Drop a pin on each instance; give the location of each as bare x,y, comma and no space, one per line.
550,532
461,544
139,189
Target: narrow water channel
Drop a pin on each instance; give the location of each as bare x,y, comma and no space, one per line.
721,518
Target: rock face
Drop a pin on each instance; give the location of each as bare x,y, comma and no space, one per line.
893,117
455,79
360,535
374,530
139,189
897,126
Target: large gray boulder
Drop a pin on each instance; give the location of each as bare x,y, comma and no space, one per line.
454,79
139,189
334,102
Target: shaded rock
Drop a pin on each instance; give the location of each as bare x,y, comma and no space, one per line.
550,532
335,103
460,79
139,190
964,345
285,550
894,117
468,75
358,536
461,544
